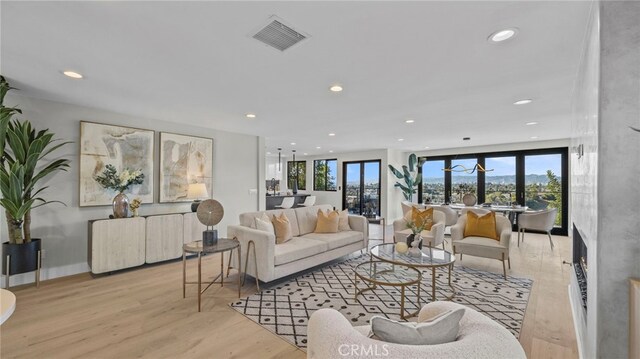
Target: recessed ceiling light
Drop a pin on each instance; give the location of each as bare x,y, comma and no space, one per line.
318,147
523,101
534,137
409,121
330,151
400,139
336,88
251,115
426,147
305,153
72,74
332,134
502,35
293,143
531,123
466,138
268,153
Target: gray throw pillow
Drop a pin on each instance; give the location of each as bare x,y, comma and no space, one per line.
442,329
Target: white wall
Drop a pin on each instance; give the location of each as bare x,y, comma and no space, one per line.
237,164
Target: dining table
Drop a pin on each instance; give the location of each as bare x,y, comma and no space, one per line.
511,212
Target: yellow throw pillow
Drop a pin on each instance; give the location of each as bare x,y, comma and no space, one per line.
282,227
419,217
327,222
343,221
481,226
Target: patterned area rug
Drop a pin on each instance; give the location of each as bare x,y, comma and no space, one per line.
284,308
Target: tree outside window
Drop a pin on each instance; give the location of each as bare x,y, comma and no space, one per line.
297,171
324,175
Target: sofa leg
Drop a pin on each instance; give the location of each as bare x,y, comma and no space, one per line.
550,240
518,237
460,256
443,248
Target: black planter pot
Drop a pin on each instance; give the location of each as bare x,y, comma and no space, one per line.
24,257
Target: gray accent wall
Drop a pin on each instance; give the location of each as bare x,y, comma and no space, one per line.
604,184
237,171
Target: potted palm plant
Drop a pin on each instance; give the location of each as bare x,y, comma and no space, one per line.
409,175
22,167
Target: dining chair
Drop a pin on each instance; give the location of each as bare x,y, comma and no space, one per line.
309,201
537,221
287,202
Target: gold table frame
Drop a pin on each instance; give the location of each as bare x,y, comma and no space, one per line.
199,250
402,286
415,266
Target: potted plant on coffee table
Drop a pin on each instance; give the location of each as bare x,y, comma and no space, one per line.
22,166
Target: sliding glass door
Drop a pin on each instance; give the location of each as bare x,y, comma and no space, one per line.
500,180
543,183
361,183
537,179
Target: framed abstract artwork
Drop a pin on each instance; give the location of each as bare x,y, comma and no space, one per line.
184,160
124,148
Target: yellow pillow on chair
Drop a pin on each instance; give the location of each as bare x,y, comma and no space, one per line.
481,226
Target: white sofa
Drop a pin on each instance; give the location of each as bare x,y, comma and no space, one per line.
331,336
305,250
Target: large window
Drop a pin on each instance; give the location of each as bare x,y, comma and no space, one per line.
462,182
543,183
297,173
537,179
500,181
324,175
433,181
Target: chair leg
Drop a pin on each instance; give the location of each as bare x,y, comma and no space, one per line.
443,248
460,256
518,237
504,268
509,261
550,240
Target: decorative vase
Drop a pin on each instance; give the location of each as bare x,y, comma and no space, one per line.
121,206
295,187
411,238
401,247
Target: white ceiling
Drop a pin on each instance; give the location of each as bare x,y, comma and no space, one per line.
196,63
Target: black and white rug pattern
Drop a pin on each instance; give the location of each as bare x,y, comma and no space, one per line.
284,308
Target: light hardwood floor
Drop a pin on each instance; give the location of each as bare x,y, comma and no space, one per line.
141,312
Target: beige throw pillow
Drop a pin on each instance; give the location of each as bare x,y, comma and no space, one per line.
439,330
282,228
327,222
343,221
263,223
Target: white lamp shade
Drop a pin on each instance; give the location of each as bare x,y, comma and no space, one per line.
197,191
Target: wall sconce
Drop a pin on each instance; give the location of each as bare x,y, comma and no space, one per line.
579,150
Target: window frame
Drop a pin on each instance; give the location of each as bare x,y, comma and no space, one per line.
520,179
297,176
326,177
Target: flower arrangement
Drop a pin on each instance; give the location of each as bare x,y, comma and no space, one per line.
110,179
416,227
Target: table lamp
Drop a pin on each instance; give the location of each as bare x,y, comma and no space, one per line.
197,191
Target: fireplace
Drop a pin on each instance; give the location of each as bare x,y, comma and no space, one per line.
580,264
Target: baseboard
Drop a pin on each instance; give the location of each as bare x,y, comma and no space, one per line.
46,273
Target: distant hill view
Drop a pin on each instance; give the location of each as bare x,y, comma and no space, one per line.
528,179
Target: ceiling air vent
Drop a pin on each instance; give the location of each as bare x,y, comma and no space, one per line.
278,35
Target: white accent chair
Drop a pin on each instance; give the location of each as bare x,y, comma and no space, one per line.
450,216
481,246
537,221
309,201
331,336
431,238
287,202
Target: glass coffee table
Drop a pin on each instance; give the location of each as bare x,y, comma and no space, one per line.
388,274
429,258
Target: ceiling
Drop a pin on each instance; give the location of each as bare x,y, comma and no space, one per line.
196,63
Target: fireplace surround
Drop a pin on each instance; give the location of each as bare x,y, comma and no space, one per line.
580,263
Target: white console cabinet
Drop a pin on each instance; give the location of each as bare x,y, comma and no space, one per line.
121,243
